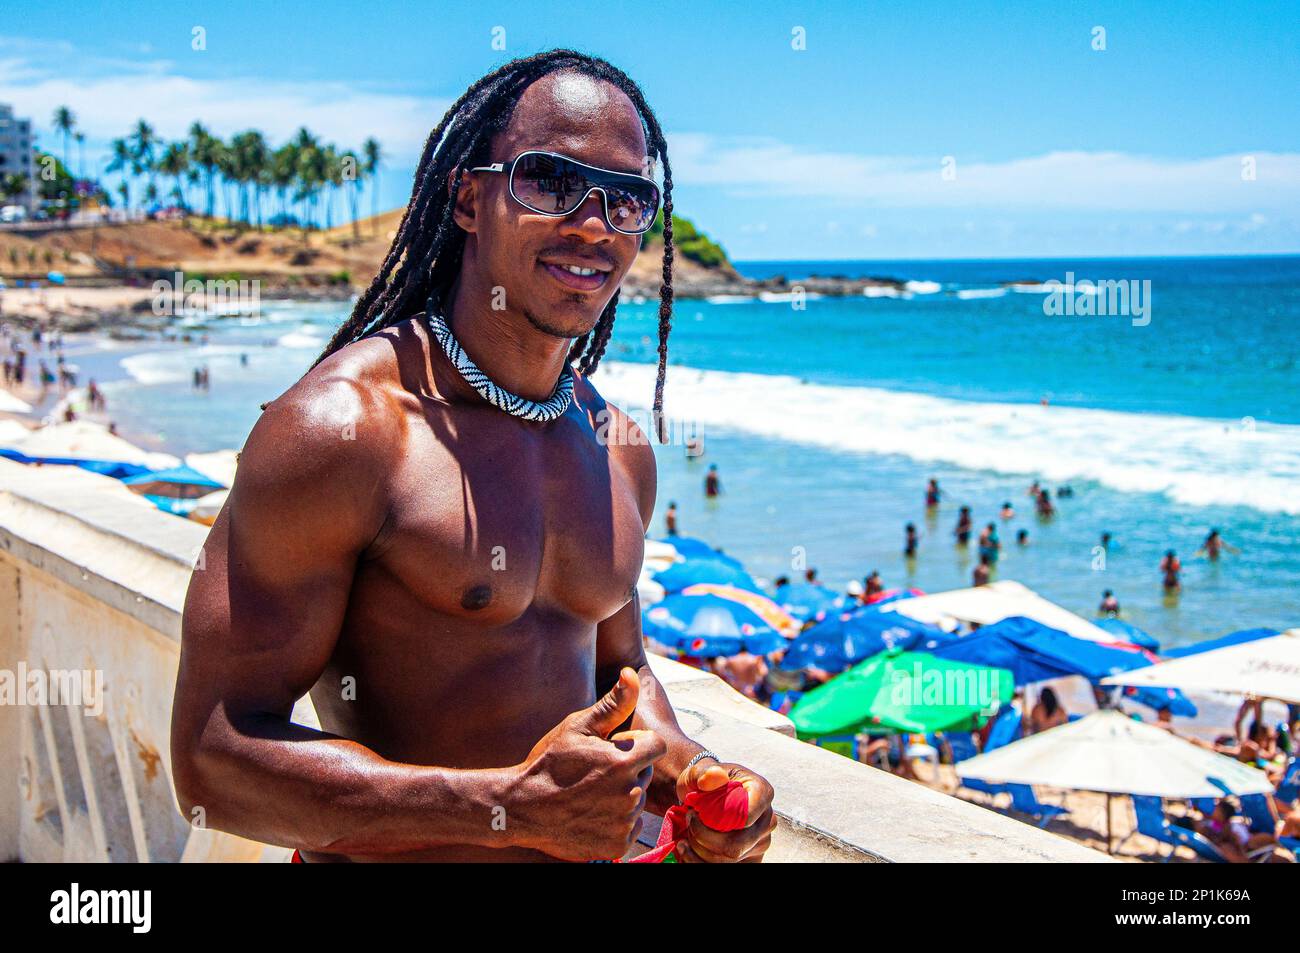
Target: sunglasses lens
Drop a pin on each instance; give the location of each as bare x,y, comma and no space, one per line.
556,186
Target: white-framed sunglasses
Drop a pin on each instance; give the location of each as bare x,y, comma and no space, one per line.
555,185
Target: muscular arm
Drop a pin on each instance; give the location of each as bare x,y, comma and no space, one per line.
260,623
619,643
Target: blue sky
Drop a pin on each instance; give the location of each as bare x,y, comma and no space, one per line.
833,151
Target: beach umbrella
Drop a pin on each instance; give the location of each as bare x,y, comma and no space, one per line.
804,600
847,638
898,691
1127,632
206,508
658,555
220,465
688,547
1037,653
1110,752
707,626
1265,668
181,482
83,441
763,607
893,595
1234,638
694,571
993,603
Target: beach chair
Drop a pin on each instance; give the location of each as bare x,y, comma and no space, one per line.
1205,805
1288,789
1151,821
1006,729
1025,801
1255,809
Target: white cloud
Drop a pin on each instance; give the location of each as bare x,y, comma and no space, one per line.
109,96
1077,180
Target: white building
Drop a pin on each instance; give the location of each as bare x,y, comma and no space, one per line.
17,155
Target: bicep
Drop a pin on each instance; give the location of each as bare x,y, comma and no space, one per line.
265,607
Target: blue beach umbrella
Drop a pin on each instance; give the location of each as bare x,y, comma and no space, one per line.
707,626
688,547
845,639
1234,638
694,571
804,600
177,482
1127,632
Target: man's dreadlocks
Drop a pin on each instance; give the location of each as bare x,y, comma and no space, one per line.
425,257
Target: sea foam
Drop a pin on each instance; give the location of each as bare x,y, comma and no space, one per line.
1191,460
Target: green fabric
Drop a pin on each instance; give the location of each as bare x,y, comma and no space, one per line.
903,692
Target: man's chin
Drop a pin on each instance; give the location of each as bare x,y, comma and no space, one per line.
566,319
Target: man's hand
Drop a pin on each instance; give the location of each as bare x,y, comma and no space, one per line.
579,796
703,845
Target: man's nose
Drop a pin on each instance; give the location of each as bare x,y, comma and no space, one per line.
588,219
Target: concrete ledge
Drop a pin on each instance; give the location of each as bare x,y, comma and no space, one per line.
94,577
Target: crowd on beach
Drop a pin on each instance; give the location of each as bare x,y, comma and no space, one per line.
1253,740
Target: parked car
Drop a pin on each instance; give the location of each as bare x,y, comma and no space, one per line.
13,213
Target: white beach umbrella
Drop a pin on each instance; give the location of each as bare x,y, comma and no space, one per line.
659,555
1265,668
86,440
13,405
993,603
220,465
649,590
1110,752
207,507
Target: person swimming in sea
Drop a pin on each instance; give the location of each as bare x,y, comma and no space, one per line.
1109,605
712,482
962,532
670,518
909,544
981,573
932,494
1214,545
989,544
1022,537
1008,511
1171,567
1044,504
874,585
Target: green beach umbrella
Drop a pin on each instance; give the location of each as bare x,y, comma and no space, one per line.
899,691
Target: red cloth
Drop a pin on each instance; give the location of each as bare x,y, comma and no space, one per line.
296,858
726,809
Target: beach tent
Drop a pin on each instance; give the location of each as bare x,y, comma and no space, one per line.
1265,668
83,440
899,691
694,571
1234,638
847,638
1128,632
1110,752
993,603
706,626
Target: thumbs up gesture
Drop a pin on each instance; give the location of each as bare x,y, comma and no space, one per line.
580,792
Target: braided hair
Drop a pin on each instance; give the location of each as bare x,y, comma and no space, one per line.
425,256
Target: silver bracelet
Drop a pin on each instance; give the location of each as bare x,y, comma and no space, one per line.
700,756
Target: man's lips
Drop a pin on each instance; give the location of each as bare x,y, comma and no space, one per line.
578,275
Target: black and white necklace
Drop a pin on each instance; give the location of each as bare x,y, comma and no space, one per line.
541,411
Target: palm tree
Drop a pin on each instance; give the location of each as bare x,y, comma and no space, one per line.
81,154
14,185
121,161
175,161
205,151
349,159
374,155
283,173
143,147
64,122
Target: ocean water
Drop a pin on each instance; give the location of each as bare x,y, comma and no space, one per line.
826,417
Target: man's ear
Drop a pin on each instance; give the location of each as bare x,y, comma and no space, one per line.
466,210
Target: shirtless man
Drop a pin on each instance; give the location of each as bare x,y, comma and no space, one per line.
450,570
